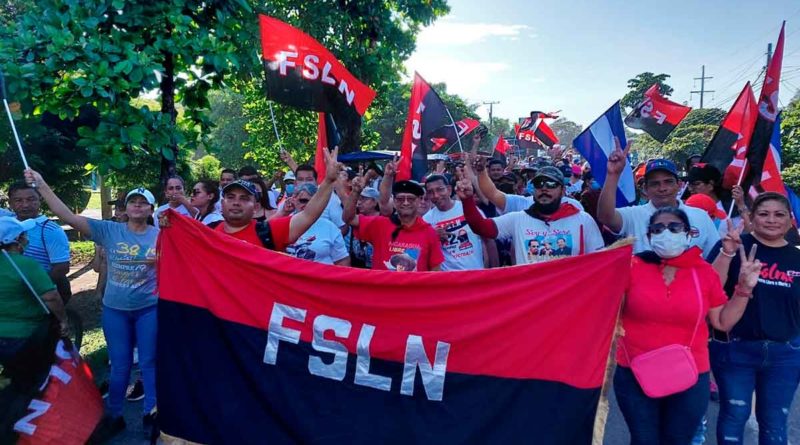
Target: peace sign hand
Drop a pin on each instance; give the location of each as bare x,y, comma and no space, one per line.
749,270
732,239
617,158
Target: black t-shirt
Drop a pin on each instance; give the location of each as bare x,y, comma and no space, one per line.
774,311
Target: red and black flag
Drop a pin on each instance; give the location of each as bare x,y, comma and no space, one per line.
545,134
533,131
328,137
728,148
446,136
765,121
656,115
426,112
502,146
302,73
526,139
303,352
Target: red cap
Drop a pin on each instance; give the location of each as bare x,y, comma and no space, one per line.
704,202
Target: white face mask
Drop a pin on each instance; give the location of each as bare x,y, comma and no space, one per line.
669,245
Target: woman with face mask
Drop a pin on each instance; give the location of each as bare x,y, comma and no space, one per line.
662,377
761,353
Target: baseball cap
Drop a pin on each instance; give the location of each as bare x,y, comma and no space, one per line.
704,202
664,165
11,228
576,170
247,186
566,170
550,172
141,191
289,176
370,192
412,187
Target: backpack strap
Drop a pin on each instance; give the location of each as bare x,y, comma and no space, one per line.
264,233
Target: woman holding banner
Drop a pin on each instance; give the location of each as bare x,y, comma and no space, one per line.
129,300
662,378
761,353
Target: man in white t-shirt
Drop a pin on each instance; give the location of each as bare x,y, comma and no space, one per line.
662,186
547,230
463,249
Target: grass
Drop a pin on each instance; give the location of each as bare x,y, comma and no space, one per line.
95,353
94,201
81,251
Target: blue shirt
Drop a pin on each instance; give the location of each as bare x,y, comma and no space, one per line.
47,243
131,261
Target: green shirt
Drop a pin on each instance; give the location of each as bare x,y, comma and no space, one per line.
20,313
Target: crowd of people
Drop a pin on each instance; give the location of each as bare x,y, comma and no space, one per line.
707,294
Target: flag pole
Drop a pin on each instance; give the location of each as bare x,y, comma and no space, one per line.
739,183
275,126
458,136
11,121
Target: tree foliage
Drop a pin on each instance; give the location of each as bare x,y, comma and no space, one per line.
207,167
690,137
566,130
639,84
229,135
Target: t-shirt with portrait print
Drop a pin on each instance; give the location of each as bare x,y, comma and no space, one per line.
415,248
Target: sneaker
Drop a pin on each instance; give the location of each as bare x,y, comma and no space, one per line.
106,429
104,389
136,392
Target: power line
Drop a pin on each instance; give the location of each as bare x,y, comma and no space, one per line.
702,90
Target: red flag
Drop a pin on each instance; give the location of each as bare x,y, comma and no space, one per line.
728,148
300,72
502,145
765,122
426,112
327,138
545,134
656,115
446,134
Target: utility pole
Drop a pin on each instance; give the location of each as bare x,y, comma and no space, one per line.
490,104
769,55
702,80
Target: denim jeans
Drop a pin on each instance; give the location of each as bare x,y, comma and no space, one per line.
670,420
121,329
772,370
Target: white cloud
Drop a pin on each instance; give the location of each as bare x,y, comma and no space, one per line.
463,77
455,33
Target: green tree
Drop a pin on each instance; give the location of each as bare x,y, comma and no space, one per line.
229,135
207,167
639,84
64,54
690,137
565,130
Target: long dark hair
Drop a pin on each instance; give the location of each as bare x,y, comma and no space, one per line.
264,198
211,187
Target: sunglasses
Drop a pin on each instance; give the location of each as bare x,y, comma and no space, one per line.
546,184
674,227
303,201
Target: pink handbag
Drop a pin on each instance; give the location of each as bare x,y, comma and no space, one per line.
670,369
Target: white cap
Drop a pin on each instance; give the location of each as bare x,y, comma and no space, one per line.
141,191
11,228
289,176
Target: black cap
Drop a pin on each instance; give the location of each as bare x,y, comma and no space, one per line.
247,186
412,187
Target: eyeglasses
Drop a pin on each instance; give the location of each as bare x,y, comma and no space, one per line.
303,201
410,199
546,184
674,227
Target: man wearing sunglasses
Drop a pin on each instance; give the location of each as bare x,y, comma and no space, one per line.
662,186
545,222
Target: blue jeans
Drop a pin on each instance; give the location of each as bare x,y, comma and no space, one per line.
122,329
670,420
772,370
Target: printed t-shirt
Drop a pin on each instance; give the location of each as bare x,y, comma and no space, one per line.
131,257
279,230
322,243
20,313
463,249
774,311
416,248
536,240
657,315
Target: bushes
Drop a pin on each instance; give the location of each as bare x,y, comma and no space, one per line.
81,252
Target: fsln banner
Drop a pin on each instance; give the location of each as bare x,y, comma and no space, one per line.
259,347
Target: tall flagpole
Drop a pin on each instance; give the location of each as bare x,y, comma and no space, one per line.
275,126
739,183
11,120
458,135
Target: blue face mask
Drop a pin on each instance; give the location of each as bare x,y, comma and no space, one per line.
529,188
289,189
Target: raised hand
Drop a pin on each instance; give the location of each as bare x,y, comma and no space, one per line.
357,184
33,177
732,239
390,169
476,140
617,158
464,189
285,156
332,166
750,269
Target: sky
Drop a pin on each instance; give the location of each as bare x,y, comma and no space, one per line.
577,55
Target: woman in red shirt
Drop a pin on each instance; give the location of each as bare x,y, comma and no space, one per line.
672,291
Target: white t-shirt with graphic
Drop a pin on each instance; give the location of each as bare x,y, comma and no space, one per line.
322,243
180,209
463,249
537,241
636,219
